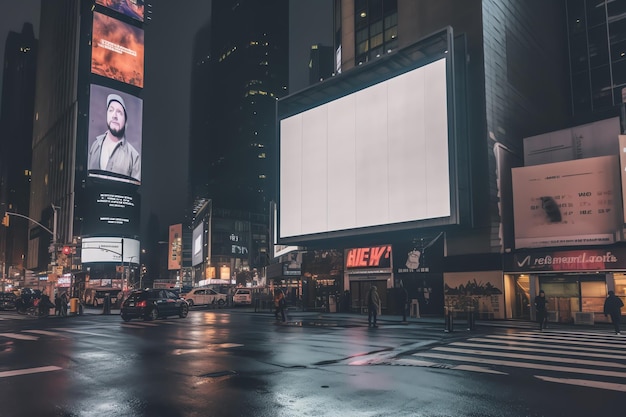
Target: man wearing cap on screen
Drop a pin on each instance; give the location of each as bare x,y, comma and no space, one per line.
111,151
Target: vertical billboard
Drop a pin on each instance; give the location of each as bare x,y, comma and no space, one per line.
131,8
117,50
567,203
175,245
197,245
115,135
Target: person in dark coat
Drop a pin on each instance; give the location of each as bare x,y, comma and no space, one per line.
403,300
373,306
541,309
613,307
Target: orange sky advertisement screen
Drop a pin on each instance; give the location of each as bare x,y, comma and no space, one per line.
117,50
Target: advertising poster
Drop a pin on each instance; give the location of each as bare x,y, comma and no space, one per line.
197,245
109,249
112,211
175,254
567,203
130,8
423,255
482,291
115,135
117,50
622,164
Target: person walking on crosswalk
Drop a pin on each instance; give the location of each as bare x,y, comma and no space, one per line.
541,310
613,307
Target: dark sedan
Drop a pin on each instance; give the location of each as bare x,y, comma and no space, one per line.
151,304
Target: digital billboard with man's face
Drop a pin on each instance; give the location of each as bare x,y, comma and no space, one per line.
130,8
117,50
114,141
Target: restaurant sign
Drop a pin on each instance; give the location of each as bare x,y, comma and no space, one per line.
572,260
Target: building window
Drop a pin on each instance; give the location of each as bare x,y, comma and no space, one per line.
376,24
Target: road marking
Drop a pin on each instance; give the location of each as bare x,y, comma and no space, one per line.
43,332
553,349
531,357
19,336
585,383
513,342
539,366
545,338
82,332
17,372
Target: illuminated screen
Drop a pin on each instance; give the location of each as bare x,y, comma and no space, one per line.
112,211
175,244
196,245
109,249
117,50
115,135
130,8
376,157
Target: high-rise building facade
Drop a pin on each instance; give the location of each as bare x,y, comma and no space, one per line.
247,69
597,45
87,136
16,125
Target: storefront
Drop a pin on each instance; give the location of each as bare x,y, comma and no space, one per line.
365,267
576,282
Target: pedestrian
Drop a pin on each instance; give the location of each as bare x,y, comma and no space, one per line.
57,304
373,306
613,307
64,301
541,309
403,301
279,304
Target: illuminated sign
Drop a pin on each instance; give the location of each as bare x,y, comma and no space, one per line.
117,50
112,209
115,135
175,256
130,8
372,257
197,245
109,249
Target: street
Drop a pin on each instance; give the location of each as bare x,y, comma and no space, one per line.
235,362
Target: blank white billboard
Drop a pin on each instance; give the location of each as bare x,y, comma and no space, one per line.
197,245
109,249
376,157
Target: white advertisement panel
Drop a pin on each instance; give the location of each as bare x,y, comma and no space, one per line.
197,245
109,249
376,157
567,203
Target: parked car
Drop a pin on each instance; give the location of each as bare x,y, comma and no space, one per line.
150,304
95,296
242,296
202,296
7,301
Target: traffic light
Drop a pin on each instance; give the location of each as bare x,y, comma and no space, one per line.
5,220
67,250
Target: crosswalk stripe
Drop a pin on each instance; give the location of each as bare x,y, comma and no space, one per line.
557,359
546,339
40,369
43,332
527,365
585,383
19,336
552,349
513,342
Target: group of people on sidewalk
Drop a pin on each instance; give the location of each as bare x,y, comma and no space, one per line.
612,307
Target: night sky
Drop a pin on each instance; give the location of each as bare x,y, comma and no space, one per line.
166,94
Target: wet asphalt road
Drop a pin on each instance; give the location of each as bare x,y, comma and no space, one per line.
240,363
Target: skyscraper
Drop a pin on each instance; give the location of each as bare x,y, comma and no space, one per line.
247,69
16,124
